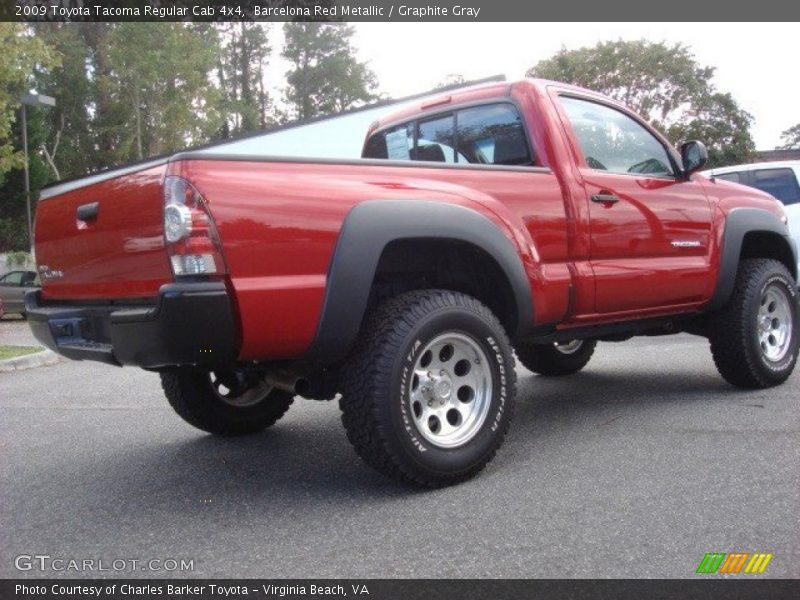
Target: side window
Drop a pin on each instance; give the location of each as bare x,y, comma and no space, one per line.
612,141
492,135
13,278
781,183
396,143
435,140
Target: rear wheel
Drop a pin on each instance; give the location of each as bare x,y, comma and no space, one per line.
224,402
428,392
754,339
556,359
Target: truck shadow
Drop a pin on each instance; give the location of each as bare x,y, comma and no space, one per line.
307,460
549,404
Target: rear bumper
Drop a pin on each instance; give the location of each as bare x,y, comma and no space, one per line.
191,324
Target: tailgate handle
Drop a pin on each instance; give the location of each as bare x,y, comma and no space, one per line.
88,212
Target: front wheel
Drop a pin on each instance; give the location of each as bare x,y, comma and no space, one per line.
428,392
754,339
224,403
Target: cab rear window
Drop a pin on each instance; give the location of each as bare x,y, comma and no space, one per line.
492,134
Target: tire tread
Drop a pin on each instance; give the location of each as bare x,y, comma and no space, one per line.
369,370
192,400
728,336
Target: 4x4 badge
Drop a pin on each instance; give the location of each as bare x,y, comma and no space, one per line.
48,273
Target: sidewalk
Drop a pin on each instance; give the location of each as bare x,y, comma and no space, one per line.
15,332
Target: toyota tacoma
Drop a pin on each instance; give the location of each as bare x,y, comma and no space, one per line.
529,218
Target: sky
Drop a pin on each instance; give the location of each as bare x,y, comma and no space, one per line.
755,62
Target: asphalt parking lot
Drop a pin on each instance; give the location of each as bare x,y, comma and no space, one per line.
635,467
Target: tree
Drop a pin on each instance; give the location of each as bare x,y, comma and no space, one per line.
790,139
23,58
22,54
69,147
721,124
663,83
450,80
160,96
241,74
326,76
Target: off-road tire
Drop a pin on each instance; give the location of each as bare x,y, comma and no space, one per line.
376,392
546,359
191,395
734,333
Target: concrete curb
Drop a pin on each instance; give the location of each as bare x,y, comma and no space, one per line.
29,361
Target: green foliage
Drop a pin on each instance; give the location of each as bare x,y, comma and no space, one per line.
7,352
326,76
18,259
68,146
13,222
25,59
790,139
157,87
22,54
241,63
663,83
717,120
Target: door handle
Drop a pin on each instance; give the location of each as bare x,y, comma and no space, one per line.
88,212
605,198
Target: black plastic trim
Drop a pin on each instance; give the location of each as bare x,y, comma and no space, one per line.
367,230
631,327
191,324
738,223
87,212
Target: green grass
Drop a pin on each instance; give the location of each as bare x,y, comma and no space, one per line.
15,351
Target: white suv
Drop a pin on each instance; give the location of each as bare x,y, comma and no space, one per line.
781,179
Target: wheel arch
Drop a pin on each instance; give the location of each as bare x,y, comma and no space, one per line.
378,231
751,233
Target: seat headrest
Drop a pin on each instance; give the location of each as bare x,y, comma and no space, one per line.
510,149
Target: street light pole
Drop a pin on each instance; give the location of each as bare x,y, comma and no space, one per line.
27,175
30,100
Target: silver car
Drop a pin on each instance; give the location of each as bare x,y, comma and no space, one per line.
781,179
14,286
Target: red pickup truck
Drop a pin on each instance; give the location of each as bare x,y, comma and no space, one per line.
530,217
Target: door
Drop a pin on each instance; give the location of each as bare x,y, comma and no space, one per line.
12,291
650,227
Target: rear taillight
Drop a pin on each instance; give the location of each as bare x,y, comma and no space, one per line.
189,231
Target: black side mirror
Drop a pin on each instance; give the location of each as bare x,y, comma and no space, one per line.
694,156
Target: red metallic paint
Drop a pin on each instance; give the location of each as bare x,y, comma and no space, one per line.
119,255
278,223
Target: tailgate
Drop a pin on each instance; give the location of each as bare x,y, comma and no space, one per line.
103,240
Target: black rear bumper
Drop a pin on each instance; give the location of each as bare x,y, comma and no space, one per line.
191,324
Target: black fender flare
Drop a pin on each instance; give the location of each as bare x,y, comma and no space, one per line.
738,223
366,231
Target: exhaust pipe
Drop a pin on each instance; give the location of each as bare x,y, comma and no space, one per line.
288,381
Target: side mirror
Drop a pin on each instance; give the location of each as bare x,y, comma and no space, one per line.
694,156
